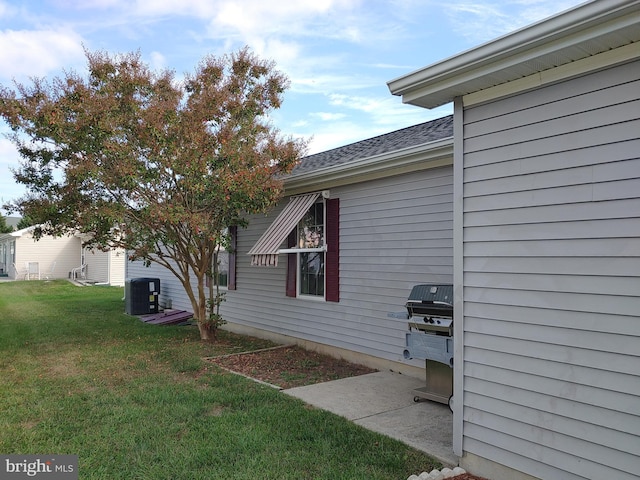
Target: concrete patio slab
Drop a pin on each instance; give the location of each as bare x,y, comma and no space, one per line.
383,402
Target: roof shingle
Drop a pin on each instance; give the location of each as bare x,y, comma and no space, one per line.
407,137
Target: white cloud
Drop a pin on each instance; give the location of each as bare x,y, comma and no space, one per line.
536,10
391,66
484,21
337,135
157,61
250,16
7,149
9,159
324,83
27,53
327,116
361,103
336,129
6,10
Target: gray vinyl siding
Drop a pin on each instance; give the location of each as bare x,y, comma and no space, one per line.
394,233
551,266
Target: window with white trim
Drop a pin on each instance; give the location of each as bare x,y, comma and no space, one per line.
311,252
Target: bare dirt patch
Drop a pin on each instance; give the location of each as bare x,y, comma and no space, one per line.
290,366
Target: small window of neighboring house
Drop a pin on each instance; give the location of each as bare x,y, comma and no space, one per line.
227,263
223,268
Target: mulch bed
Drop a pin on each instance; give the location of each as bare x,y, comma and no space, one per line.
289,366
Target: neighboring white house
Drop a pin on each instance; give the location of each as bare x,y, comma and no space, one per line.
22,257
546,244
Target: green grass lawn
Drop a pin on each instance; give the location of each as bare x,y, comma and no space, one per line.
135,401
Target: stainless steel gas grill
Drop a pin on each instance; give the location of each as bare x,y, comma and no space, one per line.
430,338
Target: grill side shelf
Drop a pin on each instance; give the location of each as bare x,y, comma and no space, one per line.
437,348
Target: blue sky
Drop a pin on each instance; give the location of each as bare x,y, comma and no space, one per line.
338,54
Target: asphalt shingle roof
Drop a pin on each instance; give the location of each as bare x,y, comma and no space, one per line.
389,142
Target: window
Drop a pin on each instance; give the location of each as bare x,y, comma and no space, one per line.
309,224
223,268
227,261
311,255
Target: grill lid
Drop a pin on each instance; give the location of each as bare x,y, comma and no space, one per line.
431,301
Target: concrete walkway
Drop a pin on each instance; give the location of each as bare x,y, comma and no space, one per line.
383,402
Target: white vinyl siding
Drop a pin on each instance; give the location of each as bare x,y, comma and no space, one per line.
105,267
97,263
551,267
117,260
64,251
394,233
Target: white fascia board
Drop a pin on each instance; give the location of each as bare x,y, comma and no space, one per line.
19,233
418,157
477,68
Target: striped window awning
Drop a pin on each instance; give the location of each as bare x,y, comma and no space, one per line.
265,251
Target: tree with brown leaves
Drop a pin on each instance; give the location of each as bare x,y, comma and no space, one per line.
161,167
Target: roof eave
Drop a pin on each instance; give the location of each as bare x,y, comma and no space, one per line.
418,157
541,45
19,233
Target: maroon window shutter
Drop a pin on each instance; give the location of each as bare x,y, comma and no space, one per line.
231,280
292,265
332,260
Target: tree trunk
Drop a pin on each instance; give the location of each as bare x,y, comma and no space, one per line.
207,330
199,306
207,334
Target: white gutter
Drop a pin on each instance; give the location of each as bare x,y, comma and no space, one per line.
545,44
417,157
